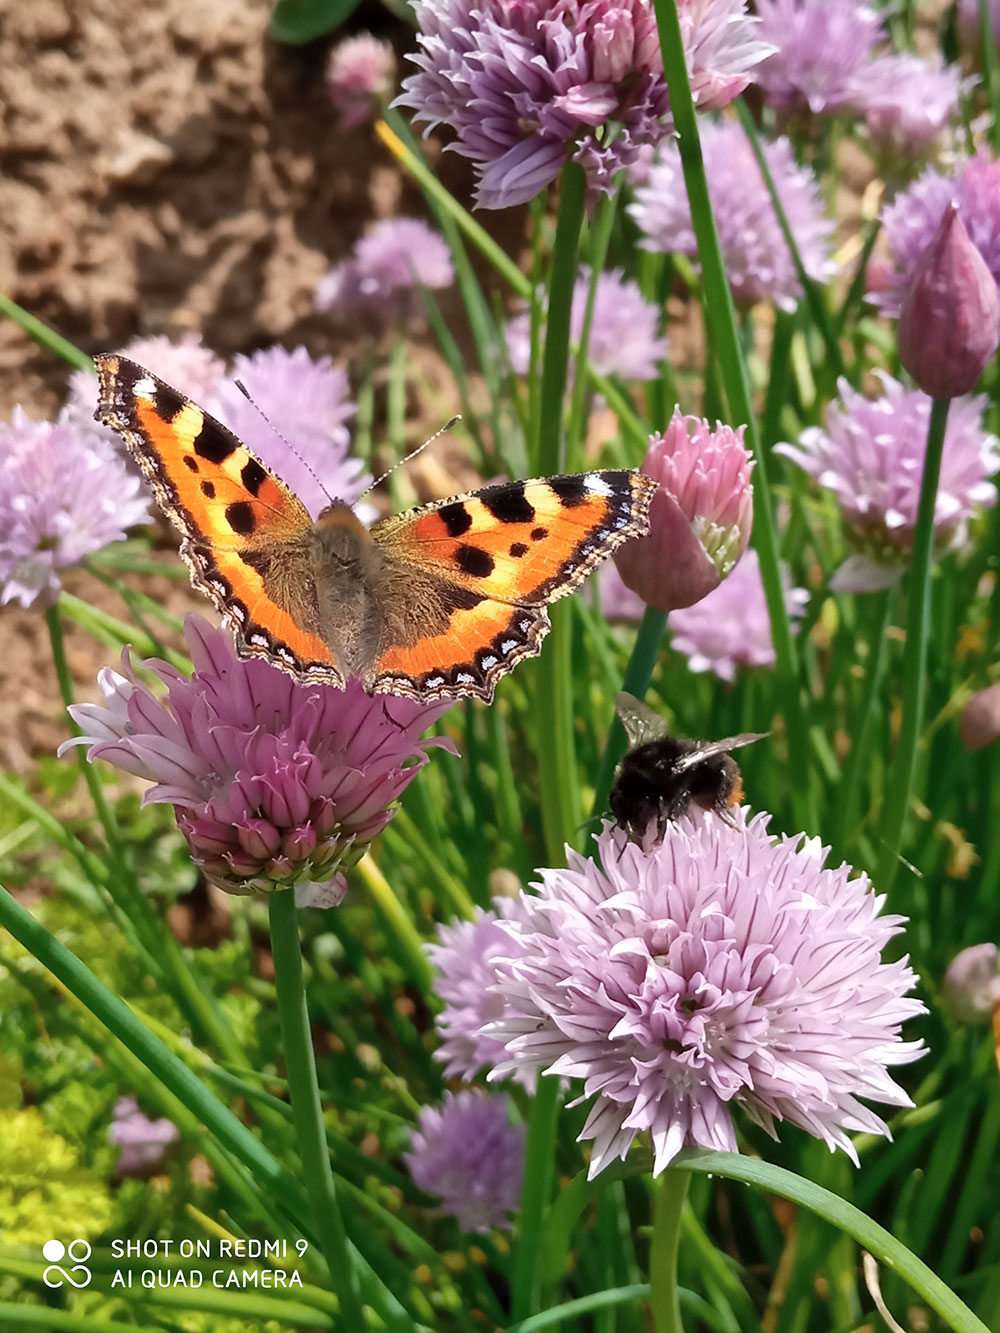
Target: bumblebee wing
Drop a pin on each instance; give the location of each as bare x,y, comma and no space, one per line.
705,749
641,724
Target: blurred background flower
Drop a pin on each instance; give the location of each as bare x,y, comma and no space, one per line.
695,979
63,495
386,271
758,262
624,335
467,1152
821,46
971,986
871,455
360,73
142,1141
274,784
730,627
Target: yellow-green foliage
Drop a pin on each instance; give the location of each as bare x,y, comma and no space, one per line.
44,1192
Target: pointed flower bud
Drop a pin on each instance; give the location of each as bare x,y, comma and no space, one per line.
980,724
700,517
949,326
971,985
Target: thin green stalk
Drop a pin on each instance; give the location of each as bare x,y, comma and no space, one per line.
42,334
812,289
638,673
668,1207
785,323
557,770
539,1168
116,1016
915,659
300,1069
397,922
600,240
722,317
988,54
550,452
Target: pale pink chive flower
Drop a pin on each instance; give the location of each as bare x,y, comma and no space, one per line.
527,86
909,103
274,784
183,362
63,495
464,958
871,455
970,988
466,1151
722,970
359,77
700,518
297,401
142,1141
823,46
758,262
980,722
730,629
913,217
949,326
386,271
624,340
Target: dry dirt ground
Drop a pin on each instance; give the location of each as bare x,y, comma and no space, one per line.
167,168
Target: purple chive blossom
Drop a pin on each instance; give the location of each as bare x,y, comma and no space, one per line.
526,85
912,219
970,987
758,261
273,783
700,518
730,628
624,341
871,455
63,495
823,46
466,1152
184,363
464,958
723,969
305,402
359,77
142,1141
386,271
908,103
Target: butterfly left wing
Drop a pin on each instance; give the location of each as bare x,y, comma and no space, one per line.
480,569
244,530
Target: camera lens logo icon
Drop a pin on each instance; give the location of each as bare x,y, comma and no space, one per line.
78,1251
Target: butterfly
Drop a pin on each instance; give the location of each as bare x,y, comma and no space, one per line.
662,776
438,602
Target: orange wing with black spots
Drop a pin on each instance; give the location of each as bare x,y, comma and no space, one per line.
238,519
511,549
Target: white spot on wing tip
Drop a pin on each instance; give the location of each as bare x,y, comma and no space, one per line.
144,388
594,484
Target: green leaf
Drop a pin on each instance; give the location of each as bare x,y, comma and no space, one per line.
298,21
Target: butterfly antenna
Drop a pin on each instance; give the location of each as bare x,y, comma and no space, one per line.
408,458
286,442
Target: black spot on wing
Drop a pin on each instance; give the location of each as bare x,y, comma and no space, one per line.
190,462
508,503
456,518
475,561
539,534
210,442
208,490
253,476
240,517
168,402
518,549
571,491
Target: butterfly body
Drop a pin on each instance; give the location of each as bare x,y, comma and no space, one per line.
437,602
662,776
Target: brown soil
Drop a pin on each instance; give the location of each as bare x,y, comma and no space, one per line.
163,169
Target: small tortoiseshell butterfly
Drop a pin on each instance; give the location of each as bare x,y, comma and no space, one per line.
438,602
